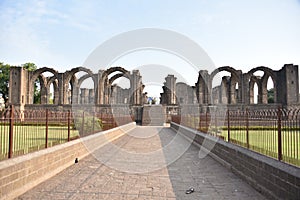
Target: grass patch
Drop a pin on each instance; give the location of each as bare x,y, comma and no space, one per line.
265,141
29,138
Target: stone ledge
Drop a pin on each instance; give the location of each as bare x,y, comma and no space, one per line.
17,175
275,179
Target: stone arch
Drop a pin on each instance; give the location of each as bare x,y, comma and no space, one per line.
114,69
225,68
73,71
253,80
53,80
38,74
119,95
116,76
235,78
104,84
39,71
75,83
83,78
262,91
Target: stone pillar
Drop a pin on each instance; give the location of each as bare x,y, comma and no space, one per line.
170,86
84,95
91,96
287,85
245,89
100,88
18,90
225,92
61,88
260,91
44,93
96,80
136,87
202,87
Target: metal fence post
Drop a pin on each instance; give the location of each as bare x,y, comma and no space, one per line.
200,121
279,115
69,132
216,126
46,142
228,125
206,121
82,125
94,114
11,131
247,127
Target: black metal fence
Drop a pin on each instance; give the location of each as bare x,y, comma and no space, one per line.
26,131
272,132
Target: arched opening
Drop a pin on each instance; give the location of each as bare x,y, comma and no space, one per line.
271,91
253,89
120,92
51,95
37,91
266,91
69,93
39,85
86,91
81,86
224,86
255,92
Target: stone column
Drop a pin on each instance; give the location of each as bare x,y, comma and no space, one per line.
84,95
244,89
44,93
136,87
100,88
61,88
170,86
202,87
91,96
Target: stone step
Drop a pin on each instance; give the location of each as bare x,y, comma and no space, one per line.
153,115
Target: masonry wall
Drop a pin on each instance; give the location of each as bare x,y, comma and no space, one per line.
276,180
17,175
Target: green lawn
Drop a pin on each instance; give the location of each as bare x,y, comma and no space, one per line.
262,139
266,142
31,138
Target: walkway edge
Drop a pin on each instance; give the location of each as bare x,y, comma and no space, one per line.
271,177
17,175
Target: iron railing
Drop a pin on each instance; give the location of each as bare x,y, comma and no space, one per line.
273,132
22,132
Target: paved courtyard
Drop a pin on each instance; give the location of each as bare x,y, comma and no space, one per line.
141,165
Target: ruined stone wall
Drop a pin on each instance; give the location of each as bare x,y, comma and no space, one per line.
237,89
68,90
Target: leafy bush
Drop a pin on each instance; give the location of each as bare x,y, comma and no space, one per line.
90,124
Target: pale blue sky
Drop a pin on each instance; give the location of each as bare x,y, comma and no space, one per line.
61,34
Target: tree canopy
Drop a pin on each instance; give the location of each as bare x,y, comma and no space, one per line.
4,80
271,95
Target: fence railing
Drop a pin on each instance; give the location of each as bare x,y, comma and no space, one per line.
275,133
22,132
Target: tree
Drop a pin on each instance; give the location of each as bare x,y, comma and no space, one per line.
271,95
29,66
4,80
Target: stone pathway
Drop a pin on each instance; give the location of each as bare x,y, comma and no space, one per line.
139,165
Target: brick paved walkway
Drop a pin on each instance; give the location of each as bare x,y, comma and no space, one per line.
91,179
